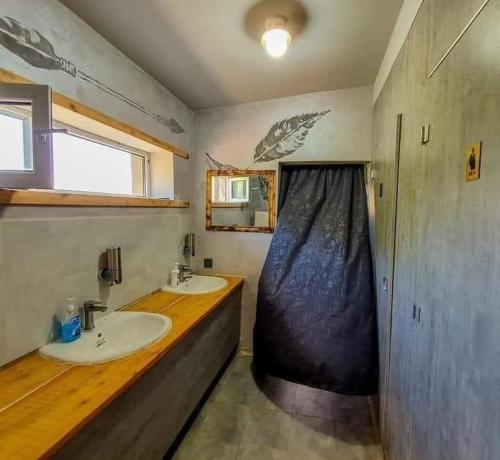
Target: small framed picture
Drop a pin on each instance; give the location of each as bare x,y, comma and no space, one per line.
473,162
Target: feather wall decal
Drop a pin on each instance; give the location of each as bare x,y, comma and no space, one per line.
31,46
286,136
214,164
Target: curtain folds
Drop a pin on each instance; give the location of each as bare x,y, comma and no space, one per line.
316,321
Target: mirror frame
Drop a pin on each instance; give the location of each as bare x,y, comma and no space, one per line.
271,177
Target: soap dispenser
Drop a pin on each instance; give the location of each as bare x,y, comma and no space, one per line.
174,276
70,321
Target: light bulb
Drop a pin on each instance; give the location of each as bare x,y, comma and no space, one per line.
276,38
275,42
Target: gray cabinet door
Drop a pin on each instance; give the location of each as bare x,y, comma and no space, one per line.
444,370
385,192
457,412
406,366
407,266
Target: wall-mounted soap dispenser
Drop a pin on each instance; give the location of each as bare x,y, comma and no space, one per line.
189,246
111,273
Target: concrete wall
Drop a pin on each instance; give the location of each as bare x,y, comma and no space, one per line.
442,391
230,134
48,254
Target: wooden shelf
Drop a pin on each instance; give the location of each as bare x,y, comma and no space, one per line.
10,197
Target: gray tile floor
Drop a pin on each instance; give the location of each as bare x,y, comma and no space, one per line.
280,421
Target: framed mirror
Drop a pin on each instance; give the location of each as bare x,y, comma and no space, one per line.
241,200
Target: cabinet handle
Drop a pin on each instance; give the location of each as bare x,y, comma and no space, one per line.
419,310
414,310
425,134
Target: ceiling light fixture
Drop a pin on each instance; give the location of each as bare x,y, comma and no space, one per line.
276,38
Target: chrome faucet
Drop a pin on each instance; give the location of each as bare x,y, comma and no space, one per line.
89,307
185,272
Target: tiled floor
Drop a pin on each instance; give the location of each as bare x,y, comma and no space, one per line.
281,421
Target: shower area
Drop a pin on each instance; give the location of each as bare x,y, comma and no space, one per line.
316,316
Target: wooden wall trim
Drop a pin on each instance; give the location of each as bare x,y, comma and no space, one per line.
11,197
229,205
77,107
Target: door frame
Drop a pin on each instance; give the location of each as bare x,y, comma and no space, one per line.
390,297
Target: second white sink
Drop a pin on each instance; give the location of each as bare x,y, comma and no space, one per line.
198,284
115,335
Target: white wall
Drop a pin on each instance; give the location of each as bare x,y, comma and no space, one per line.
230,134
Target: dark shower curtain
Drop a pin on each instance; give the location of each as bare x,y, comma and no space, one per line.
315,320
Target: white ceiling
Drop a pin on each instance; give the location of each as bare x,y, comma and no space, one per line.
201,52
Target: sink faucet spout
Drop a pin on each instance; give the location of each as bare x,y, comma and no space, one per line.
89,307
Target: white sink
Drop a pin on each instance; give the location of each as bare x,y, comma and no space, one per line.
198,284
115,335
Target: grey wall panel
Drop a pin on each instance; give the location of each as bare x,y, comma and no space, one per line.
408,244
389,104
144,421
448,19
405,88
459,400
443,393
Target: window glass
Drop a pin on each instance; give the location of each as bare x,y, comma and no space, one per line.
230,189
219,189
15,135
82,164
239,189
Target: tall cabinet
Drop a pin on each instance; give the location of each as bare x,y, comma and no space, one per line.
438,238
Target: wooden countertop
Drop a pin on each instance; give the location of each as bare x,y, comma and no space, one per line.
44,402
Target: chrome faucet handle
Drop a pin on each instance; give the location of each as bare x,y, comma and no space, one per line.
89,307
185,272
94,305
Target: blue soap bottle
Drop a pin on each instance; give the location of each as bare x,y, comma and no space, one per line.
70,321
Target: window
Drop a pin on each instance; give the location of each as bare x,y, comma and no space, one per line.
25,142
239,189
230,189
15,133
86,163
35,154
